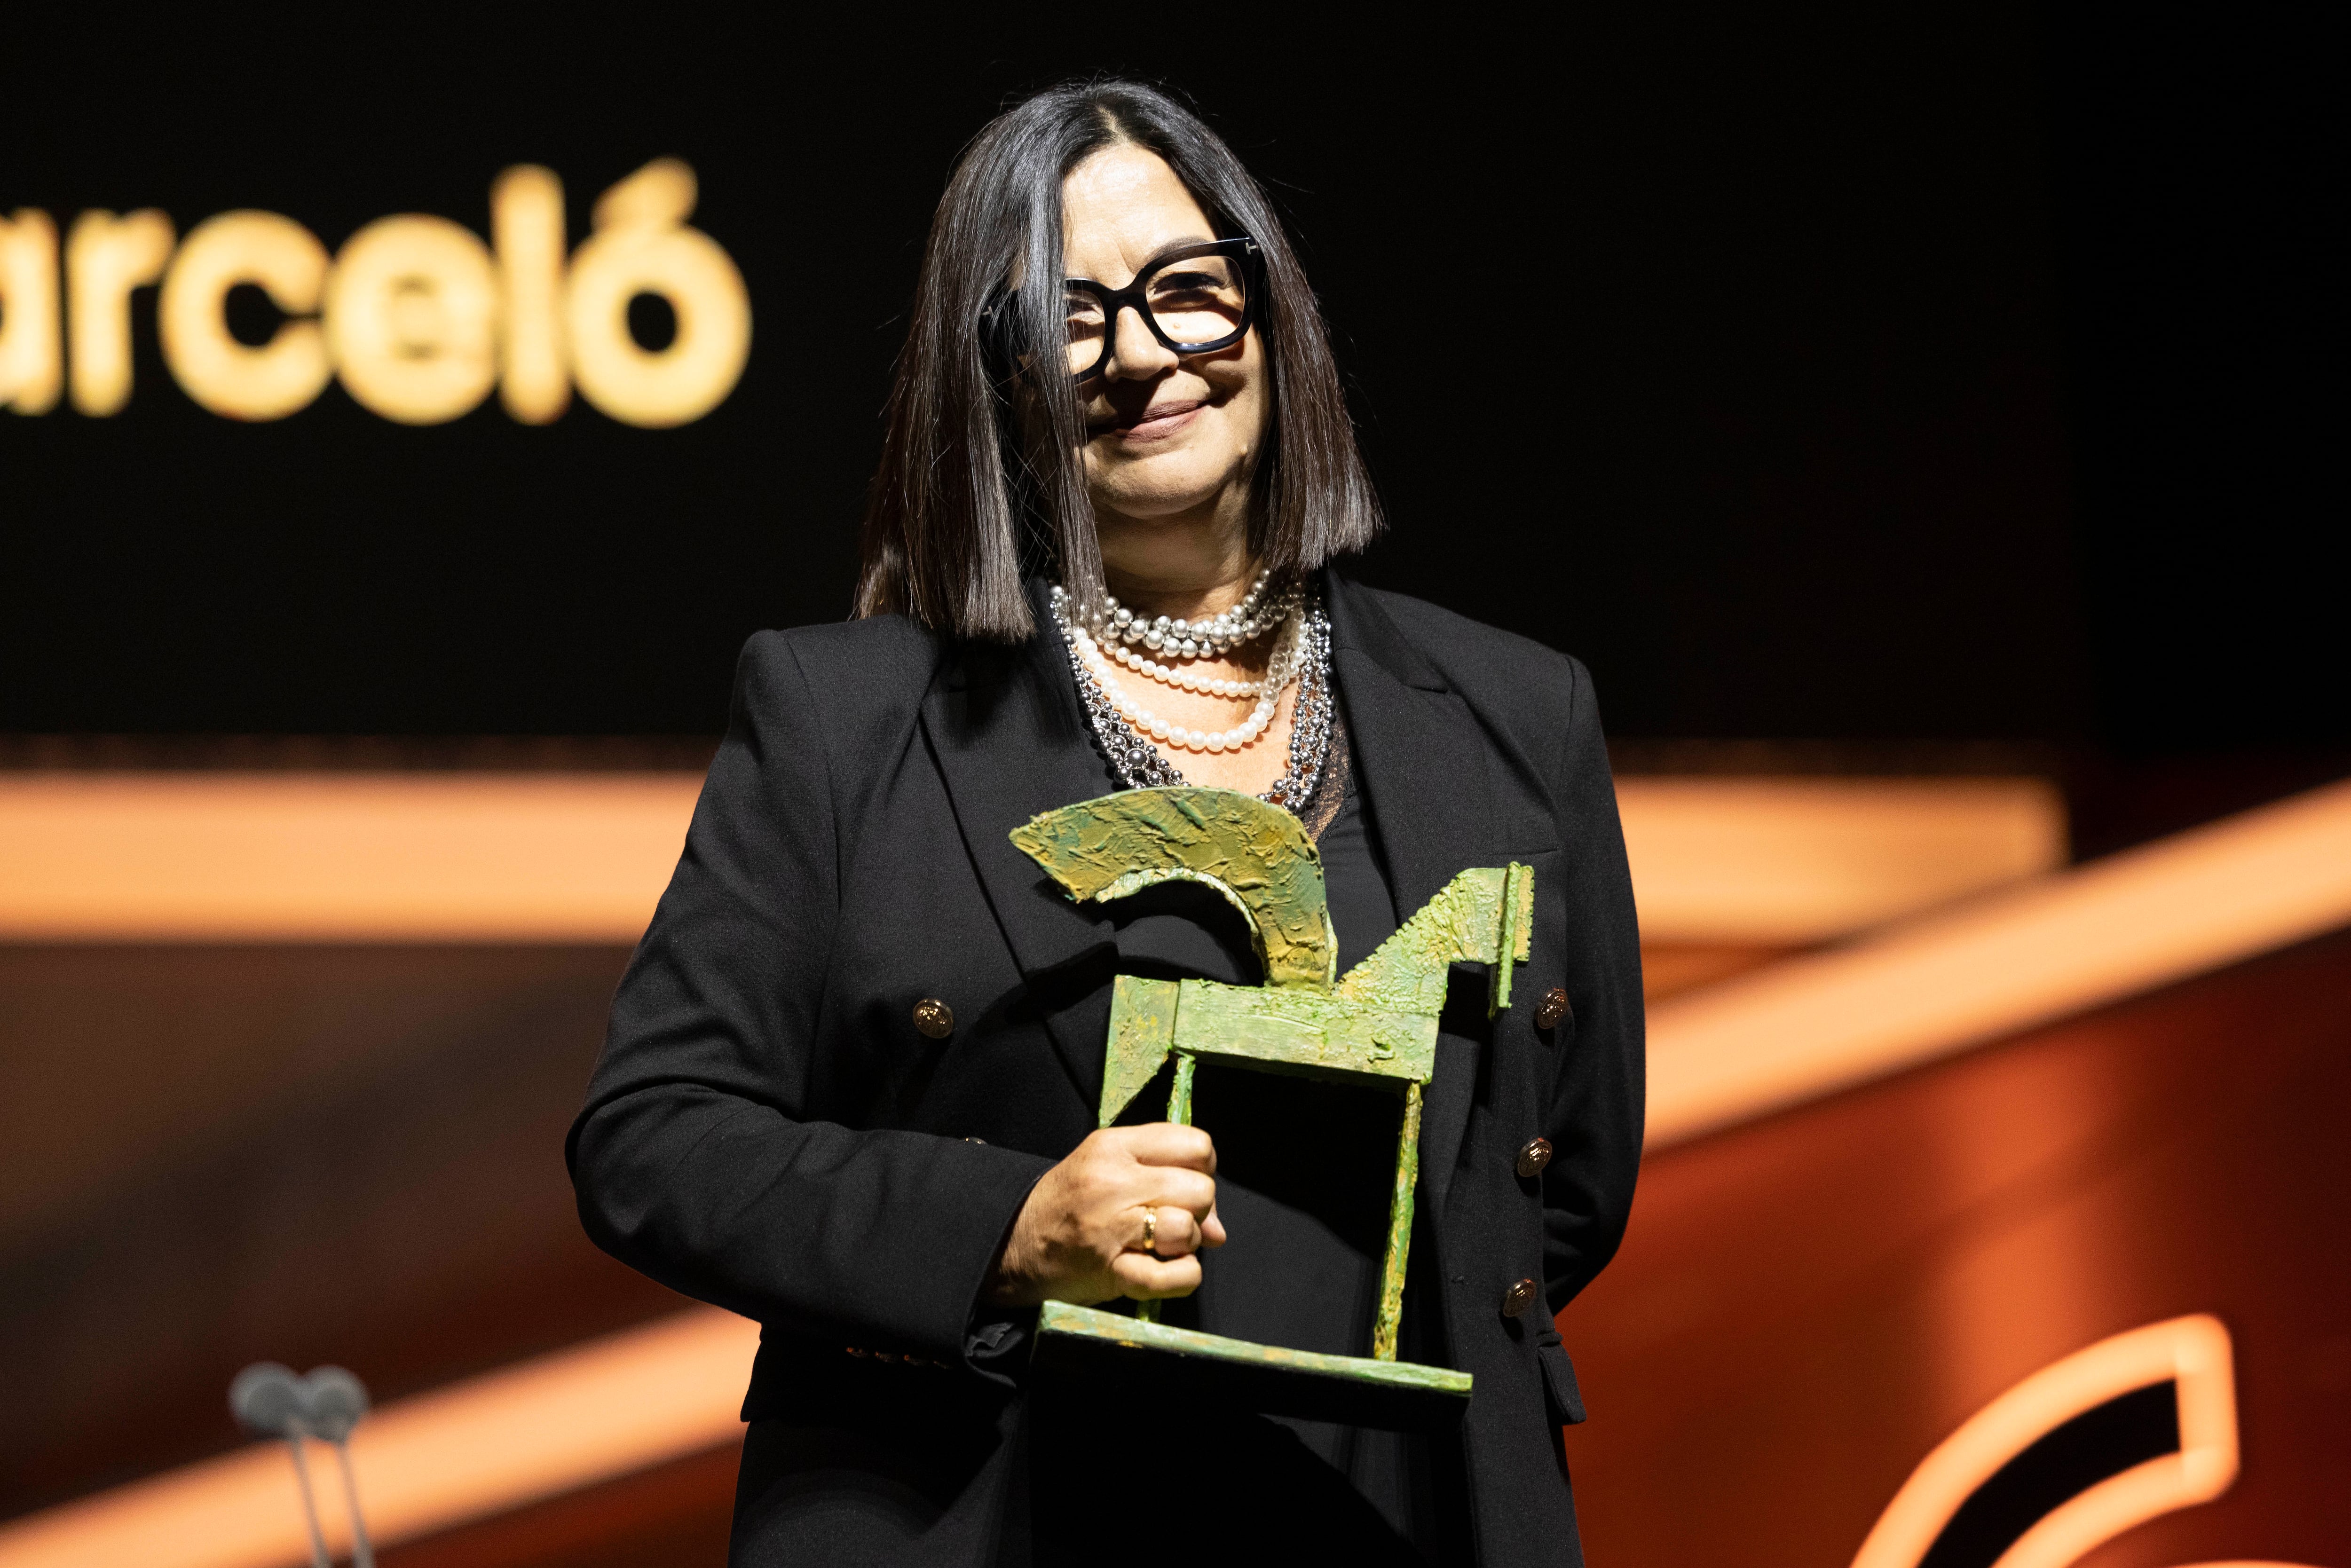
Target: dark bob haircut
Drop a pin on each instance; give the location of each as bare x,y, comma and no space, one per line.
981,480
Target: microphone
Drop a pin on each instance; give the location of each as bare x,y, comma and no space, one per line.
269,1401
336,1400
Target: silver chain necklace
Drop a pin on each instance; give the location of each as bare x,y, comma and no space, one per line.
1139,763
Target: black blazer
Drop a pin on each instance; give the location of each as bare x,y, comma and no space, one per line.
768,1131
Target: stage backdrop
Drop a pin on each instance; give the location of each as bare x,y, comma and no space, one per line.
1724,358
1840,370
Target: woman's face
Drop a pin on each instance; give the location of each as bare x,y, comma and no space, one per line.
1170,439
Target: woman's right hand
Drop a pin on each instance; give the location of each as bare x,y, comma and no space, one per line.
1080,1238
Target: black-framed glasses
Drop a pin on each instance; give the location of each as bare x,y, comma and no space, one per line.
1195,300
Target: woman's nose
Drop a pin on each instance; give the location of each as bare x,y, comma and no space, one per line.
1135,352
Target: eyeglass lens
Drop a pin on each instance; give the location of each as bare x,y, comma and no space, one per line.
1195,300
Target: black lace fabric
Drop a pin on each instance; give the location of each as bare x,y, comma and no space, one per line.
1330,790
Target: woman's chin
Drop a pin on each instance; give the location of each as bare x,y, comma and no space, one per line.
1160,488
1163,507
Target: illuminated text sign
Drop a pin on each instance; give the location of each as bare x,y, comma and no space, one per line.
417,317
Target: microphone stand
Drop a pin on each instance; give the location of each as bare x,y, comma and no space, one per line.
362,1552
295,1436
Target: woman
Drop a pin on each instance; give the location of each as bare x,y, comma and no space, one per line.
851,1080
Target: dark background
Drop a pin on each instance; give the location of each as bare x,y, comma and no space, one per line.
1839,371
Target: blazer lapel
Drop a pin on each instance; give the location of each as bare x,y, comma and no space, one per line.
1422,761
1011,741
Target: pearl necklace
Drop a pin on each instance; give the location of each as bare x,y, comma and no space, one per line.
1252,617
1279,673
1182,680
1140,765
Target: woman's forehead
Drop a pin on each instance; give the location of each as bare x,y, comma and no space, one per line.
1120,208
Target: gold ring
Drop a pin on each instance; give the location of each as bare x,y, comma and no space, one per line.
1151,1228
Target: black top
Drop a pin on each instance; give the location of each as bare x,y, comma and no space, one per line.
767,1130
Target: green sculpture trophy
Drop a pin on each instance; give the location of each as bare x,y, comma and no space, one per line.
1376,1024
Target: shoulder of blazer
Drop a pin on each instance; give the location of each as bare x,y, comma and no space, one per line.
858,684
878,657
1531,693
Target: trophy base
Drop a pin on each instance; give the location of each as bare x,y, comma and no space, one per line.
1108,1350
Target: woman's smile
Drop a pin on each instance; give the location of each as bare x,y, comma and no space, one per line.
1158,422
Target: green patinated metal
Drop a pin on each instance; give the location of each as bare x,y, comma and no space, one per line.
1258,856
1518,929
1482,916
1141,1033
1390,1317
1179,1111
1092,1323
1179,1092
1376,1024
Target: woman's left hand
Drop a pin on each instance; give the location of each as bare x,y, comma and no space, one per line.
1125,1215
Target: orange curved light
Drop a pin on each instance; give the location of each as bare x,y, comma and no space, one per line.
609,1408
2191,1353
338,857
459,857
1787,861
1999,964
